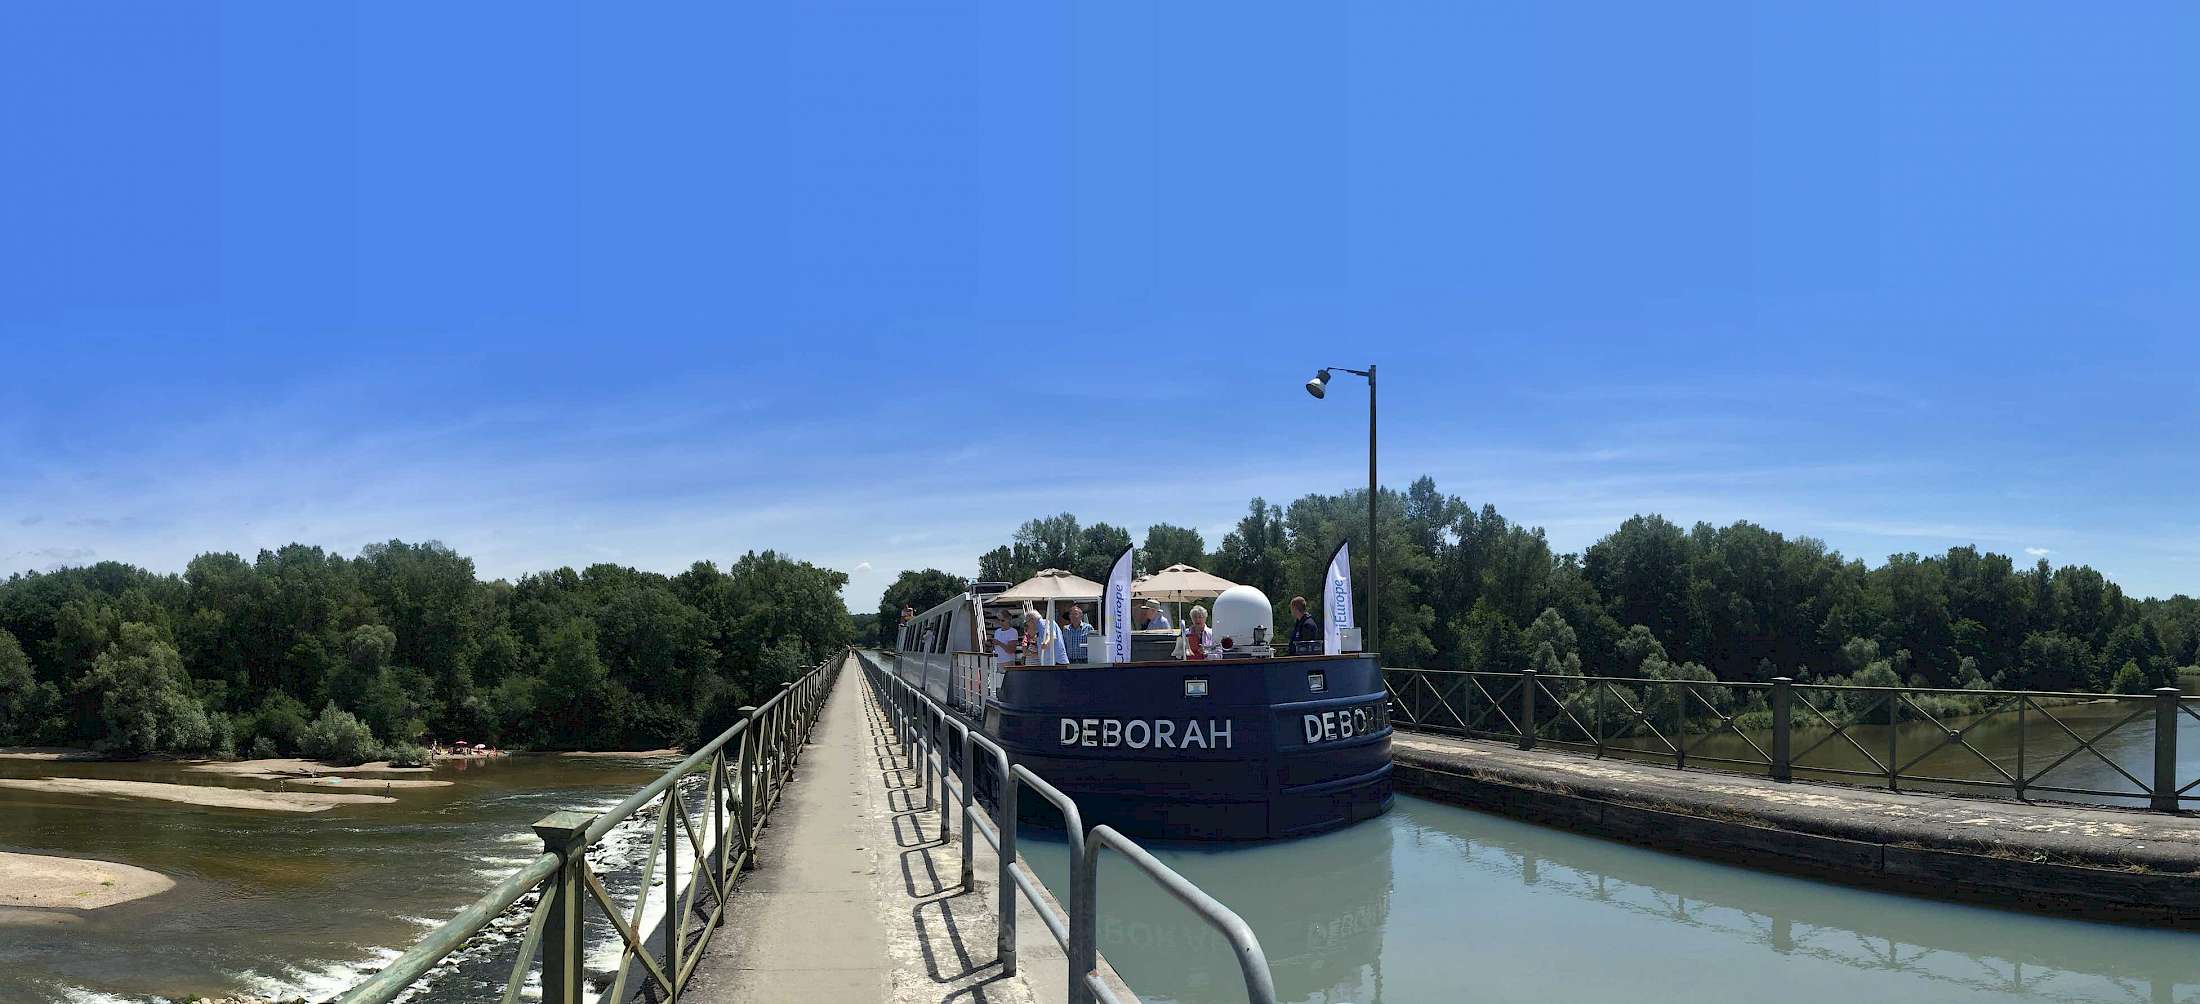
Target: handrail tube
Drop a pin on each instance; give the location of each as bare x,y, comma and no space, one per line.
445,939
1260,985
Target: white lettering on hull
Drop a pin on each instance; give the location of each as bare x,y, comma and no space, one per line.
1143,733
1345,723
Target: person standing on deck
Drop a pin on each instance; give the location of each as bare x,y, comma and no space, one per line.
1304,628
1075,634
1007,640
1044,643
1157,619
1196,641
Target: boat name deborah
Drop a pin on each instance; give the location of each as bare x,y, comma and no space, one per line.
1140,733
1345,723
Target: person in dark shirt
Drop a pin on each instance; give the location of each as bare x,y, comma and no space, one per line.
1303,628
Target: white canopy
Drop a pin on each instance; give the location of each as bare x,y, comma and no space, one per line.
1178,584
1049,584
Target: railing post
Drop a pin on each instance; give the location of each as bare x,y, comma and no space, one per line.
718,834
1680,725
787,729
939,749
1894,740
748,771
1084,921
674,922
969,773
1782,693
565,835
1527,709
2165,749
1006,929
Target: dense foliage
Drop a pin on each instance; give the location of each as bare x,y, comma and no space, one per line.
1465,588
306,651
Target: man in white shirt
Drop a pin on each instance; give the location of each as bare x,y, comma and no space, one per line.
1160,620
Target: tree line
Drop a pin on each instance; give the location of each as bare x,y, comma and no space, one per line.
304,651
1464,588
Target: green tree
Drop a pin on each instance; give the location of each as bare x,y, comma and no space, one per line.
1171,545
917,591
1551,645
144,696
25,703
340,738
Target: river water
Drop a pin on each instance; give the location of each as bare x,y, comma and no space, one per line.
278,903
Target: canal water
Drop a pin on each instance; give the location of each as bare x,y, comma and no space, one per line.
1438,903
281,904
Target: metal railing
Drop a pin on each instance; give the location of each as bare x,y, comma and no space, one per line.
747,766
929,736
1755,727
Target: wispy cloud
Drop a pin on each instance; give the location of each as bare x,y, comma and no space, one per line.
2038,552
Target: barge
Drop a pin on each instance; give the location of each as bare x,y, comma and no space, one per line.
1247,746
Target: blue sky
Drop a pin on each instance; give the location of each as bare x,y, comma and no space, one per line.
874,282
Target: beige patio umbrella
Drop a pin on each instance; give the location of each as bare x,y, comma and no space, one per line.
1049,584
1179,584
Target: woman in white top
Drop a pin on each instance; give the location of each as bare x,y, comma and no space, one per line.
1196,641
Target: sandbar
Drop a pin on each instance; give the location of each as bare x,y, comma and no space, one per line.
297,767
38,881
192,794
366,783
46,753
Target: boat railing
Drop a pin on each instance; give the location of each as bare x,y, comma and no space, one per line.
746,768
1883,736
930,740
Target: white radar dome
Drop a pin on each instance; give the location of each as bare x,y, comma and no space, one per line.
1237,612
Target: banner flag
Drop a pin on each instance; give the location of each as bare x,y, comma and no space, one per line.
1337,599
1117,604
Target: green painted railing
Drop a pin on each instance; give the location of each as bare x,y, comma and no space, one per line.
746,768
1675,722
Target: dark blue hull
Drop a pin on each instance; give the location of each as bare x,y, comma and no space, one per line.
1262,755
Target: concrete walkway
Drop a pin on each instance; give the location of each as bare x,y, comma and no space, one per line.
856,898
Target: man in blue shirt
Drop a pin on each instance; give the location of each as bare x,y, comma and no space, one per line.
1074,633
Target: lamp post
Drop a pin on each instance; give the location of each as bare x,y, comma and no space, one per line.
1319,387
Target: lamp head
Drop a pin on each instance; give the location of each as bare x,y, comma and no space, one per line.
1319,386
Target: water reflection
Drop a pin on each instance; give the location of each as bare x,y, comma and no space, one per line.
1438,903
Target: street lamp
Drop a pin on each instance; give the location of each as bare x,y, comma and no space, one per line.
1319,387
